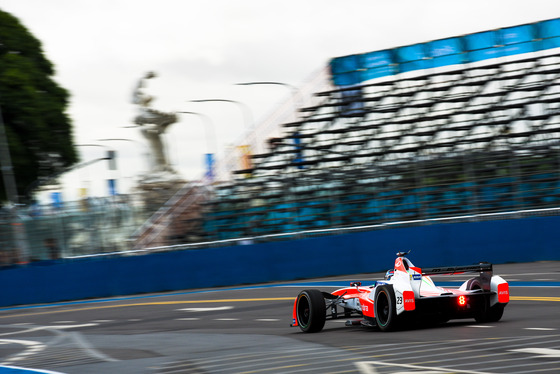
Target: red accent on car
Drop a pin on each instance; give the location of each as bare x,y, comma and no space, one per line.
367,305
503,293
408,297
462,300
399,266
294,314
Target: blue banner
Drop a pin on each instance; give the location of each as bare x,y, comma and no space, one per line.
481,46
517,34
209,163
56,198
355,69
348,79
445,52
299,154
383,71
345,64
112,184
411,57
374,60
548,29
549,32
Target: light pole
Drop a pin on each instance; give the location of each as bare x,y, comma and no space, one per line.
245,149
247,115
211,143
294,91
146,153
6,165
111,157
209,130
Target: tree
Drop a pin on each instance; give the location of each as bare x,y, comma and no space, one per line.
33,105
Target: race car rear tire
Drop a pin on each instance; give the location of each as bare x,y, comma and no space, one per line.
492,314
385,308
474,284
489,314
311,311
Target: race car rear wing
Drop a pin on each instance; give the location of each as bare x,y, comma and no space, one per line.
479,268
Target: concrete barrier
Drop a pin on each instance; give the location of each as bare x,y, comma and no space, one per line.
519,240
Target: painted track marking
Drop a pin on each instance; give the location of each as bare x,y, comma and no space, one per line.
177,302
32,347
210,309
542,352
180,302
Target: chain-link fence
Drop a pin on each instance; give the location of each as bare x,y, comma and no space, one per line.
50,232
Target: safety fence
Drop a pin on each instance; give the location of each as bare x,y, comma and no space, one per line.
47,232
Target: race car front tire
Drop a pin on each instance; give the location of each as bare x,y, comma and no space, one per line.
311,311
385,308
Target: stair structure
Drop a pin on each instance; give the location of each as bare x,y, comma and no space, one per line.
178,221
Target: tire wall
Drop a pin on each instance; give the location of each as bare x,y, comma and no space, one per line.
519,240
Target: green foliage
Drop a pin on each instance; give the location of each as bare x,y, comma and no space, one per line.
33,106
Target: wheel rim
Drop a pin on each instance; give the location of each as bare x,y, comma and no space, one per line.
303,311
382,308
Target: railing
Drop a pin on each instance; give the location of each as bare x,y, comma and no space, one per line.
350,229
95,225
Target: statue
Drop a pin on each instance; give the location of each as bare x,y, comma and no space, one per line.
153,124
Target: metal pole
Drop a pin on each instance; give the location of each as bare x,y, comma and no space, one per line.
6,164
295,92
210,131
11,194
247,115
146,154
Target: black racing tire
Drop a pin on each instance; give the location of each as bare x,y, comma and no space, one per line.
491,314
385,308
488,314
474,284
311,311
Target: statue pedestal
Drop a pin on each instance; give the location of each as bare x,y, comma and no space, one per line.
178,222
157,188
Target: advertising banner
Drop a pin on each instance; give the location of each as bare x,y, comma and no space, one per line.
209,163
112,184
352,70
445,52
56,199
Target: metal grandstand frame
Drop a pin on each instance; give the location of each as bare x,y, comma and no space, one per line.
459,141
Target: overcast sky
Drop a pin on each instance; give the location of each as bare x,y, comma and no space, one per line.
199,49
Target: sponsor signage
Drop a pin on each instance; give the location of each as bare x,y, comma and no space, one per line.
355,69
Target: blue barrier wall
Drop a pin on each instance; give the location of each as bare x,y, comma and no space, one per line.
519,240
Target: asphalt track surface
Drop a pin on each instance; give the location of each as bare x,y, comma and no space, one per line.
246,330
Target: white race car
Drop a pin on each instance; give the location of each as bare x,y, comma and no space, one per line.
407,294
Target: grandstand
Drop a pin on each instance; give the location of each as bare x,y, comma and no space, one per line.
416,135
